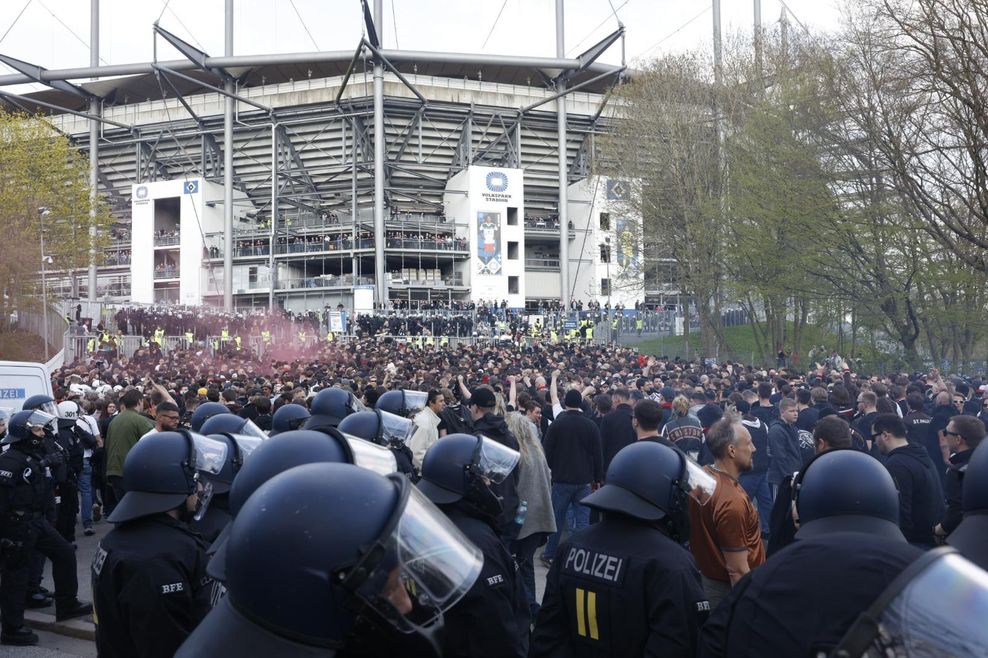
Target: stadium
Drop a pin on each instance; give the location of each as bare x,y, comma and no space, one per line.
356,178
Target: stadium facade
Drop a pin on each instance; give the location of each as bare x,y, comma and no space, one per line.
353,178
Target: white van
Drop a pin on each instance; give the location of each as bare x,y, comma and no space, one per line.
19,380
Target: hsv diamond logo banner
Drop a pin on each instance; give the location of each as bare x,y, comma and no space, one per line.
191,187
497,181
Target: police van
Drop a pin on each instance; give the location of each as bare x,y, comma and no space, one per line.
19,380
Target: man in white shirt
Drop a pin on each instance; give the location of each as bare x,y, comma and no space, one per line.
426,427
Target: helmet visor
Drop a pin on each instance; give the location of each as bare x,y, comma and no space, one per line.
415,401
941,612
425,567
205,491
42,419
395,428
250,429
356,406
496,461
372,456
49,408
210,454
700,484
247,443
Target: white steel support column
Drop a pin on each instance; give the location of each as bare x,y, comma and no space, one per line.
380,271
94,109
272,272
564,281
228,168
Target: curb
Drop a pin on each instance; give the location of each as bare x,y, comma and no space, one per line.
82,629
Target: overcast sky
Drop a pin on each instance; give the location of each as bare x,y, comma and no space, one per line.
55,33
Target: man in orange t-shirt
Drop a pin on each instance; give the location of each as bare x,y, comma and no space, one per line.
725,537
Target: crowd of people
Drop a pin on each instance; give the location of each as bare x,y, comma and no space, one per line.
668,499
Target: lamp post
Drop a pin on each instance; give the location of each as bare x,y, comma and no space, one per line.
42,213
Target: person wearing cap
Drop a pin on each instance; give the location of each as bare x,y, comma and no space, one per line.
490,425
725,534
149,572
848,549
625,586
575,457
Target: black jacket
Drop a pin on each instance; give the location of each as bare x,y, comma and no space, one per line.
150,587
216,518
804,598
807,418
920,496
493,427
784,451
573,450
25,489
620,588
493,618
616,432
917,428
953,488
939,419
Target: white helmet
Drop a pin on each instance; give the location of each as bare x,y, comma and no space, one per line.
68,410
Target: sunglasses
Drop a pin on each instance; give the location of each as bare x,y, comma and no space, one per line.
949,433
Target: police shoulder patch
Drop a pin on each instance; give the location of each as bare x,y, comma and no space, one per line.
602,567
99,559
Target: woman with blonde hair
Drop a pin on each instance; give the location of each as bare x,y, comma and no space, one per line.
534,490
683,430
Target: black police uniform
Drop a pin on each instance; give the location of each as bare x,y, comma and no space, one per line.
217,518
73,441
620,588
493,618
805,598
150,587
26,504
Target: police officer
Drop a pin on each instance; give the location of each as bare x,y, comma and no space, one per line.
848,549
205,411
75,440
493,619
149,572
969,537
625,586
25,501
321,546
288,417
380,427
330,406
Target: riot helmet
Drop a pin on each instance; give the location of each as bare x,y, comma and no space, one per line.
232,424
651,481
239,448
46,404
68,414
845,490
344,542
935,607
23,422
162,470
288,450
401,402
288,417
969,537
330,406
462,466
380,427
205,411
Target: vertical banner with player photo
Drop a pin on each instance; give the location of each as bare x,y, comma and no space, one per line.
627,245
489,243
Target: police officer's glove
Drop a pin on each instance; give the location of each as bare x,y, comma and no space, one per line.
54,459
9,548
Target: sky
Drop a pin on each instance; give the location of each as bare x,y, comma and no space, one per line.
55,33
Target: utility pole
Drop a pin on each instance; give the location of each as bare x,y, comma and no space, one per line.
228,167
380,271
94,109
563,213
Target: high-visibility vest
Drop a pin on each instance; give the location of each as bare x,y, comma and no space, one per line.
330,337
430,341
301,336
553,336
266,336
225,334
236,339
590,333
189,336
216,344
91,345
444,341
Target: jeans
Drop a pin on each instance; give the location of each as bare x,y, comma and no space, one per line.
86,493
564,496
758,490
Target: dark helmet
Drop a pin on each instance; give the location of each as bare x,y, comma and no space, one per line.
43,402
19,427
238,448
330,406
450,466
231,424
288,417
316,545
378,427
162,470
846,490
205,411
649,481
401,402
291,449
969,536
